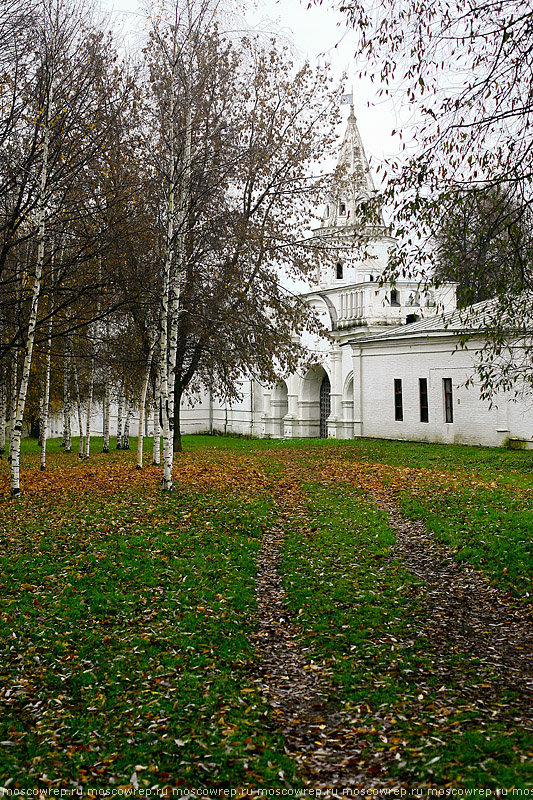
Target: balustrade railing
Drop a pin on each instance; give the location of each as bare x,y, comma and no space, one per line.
372,304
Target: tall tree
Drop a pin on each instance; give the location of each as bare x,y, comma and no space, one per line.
235,132
51,45
53,200
485,244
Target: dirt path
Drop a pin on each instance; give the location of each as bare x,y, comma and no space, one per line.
324,743
464,611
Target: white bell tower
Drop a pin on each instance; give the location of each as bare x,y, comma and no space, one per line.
355,249
354,246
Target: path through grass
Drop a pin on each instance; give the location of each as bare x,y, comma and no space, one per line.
414,703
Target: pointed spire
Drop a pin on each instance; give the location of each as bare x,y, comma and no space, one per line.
353,160
353,180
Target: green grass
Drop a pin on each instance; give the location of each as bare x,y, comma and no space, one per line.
477,500
485,461
363,613
127,622
126,615
489,529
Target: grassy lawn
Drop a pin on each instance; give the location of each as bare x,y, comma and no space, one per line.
126,615
477,500
124,621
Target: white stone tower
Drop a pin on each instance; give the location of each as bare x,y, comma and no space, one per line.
355,248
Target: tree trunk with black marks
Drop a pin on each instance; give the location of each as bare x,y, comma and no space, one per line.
156,442
78,404
46,396
3,412
127,421
119,421
142,406
87,448
32,319
107,415
67,400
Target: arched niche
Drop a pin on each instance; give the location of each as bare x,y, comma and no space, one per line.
347,404
347,391
324,310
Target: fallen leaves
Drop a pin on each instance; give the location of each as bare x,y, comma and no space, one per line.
191,472
138,647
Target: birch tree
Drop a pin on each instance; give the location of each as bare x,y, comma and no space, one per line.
93,99
246,225
58,182
173,42
156,420
107,414
235,129
67,399
17,34
90,397
79,408
46,395
51,45
143,404
3,409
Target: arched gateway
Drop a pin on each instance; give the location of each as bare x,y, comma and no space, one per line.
314,404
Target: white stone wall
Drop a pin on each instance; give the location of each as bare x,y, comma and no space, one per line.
474,422
203,416
362,384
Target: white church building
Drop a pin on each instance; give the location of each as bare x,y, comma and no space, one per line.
389,366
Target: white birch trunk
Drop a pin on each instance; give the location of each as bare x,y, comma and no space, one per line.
168,450
142,405
41,408
21,400
3,413
127,420
119,422
87,449
177,276
23,390
67,400
156,442
78,405
107,415
46,395
32,319
13,388
168,297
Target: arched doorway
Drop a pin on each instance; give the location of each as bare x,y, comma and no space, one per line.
314,404
325,406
